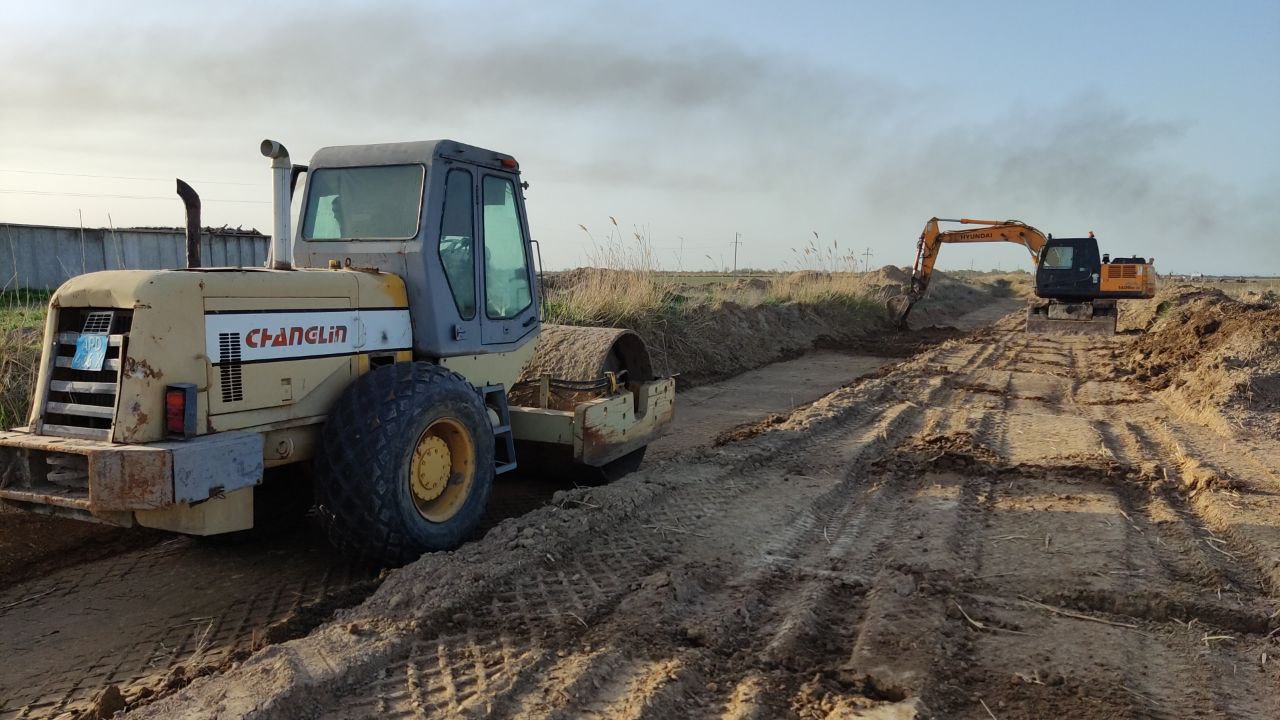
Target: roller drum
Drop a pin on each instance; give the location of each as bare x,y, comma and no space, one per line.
581,355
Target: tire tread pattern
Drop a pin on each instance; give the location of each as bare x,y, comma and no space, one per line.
363,449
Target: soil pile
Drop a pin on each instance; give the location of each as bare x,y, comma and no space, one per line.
754,284
887,283
946,300
578,277
1216,353
714,332
893,274
710,342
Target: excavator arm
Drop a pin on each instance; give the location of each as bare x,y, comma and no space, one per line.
932,239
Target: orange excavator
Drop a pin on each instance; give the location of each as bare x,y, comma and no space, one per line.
1080,287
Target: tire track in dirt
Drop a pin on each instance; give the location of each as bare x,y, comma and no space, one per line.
147,620
148,617
409,686
1137,554
986,525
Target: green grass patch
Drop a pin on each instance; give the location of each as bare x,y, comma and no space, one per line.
23,309
22,316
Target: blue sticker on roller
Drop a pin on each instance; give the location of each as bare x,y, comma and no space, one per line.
91,352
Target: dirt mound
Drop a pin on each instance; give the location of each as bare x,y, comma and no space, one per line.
1142,314
1213,351
708,330
806,276
947,299
727,339
577,277
886,284
891,275
753,284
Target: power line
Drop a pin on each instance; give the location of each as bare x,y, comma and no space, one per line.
128,177
126,197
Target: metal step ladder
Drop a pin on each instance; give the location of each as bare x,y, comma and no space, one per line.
504,442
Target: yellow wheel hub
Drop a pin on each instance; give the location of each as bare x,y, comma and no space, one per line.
430,468
442,470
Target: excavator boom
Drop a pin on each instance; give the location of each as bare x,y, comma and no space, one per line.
932,239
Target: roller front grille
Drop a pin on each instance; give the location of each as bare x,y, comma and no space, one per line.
81,403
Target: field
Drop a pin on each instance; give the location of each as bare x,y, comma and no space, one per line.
21,324
1247,289
956,520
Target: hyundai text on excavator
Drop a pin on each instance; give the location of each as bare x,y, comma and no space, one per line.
394,359
1080,286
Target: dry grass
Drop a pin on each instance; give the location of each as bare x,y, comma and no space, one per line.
21,322
825,275
817,256
847,289
682,315
622,285
625,286
599,297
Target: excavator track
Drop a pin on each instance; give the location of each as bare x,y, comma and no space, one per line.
1097,318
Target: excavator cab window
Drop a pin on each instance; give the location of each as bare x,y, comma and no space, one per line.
1058,257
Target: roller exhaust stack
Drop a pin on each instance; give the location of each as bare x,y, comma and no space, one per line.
191,200
281,194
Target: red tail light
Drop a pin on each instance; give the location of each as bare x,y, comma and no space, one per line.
180,409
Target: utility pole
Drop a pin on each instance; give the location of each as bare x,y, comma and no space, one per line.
737,240
867,255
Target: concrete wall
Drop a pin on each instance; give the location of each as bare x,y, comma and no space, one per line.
42,257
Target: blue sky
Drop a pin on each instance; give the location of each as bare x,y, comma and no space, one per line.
1152,124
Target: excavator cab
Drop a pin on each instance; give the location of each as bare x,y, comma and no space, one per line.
1069,269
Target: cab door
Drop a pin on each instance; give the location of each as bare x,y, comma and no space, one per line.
508,311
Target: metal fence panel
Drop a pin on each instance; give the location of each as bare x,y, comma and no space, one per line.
42,257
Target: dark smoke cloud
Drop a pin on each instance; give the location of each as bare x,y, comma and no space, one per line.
702,137
1088,165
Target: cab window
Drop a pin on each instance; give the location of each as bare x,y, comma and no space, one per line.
363,203
1058,257
457,241
506,269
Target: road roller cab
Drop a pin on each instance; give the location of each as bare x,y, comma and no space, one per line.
394,345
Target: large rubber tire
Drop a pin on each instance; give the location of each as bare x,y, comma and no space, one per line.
364,490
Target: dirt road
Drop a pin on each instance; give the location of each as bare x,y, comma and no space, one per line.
991,529
149,618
